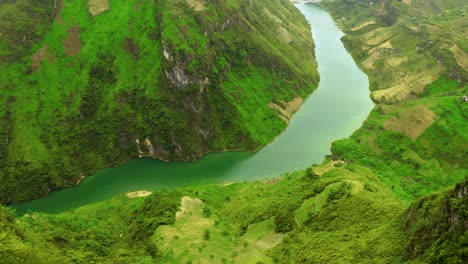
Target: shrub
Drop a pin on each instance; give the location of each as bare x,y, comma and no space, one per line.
284,221
206,235
342,191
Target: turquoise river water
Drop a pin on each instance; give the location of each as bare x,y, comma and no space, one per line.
336,109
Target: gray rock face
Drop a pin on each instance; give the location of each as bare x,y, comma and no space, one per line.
177,77
166,54
149,146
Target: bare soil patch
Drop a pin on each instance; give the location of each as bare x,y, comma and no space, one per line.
188,204
369,62
321,169
58,12
285,110
377,37
185,238
225,184
409,85
386,45
284,35
412,122
268,241
132,48
272,181
96,7
197,5
460,56
38,57
71,44
138,194
396,61
368,23
273,17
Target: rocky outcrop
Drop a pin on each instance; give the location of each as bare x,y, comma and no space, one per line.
177,76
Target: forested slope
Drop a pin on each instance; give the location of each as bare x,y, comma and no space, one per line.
328,213
89,84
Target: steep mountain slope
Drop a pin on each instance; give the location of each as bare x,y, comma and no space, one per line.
415,138
404,46
438,227
361,229
414,141
90,84
329,213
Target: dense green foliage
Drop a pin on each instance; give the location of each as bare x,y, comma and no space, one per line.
82,90
437,227
353,219
115,231
155,211
346,214
23,24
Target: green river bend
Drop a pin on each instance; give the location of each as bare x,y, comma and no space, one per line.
336,109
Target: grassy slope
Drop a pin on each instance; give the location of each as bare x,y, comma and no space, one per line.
350,216
243,221
414,140
115,231
78,92
415,137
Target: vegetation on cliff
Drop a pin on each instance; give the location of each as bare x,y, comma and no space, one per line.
334,212
415,138
89,84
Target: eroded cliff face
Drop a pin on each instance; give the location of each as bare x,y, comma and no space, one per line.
102,82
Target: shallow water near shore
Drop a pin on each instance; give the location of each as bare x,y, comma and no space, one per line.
336,109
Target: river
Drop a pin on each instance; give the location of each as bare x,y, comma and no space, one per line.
336,109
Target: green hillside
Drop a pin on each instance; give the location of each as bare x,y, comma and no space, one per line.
339,214
415,57
89,84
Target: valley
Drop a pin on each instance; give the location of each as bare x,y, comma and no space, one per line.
393,191
335,110
169,81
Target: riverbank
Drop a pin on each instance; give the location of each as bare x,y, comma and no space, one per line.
411,108
335,110
177,100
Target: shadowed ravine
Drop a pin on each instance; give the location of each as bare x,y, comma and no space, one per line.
337,108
